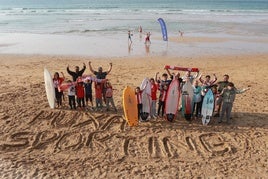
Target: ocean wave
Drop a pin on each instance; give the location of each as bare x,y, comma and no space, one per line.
87,31
116,9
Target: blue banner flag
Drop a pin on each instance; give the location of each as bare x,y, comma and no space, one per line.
163,28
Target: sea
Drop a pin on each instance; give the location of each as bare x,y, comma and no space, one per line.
100,27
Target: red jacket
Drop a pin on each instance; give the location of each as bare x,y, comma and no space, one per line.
154,88
80,92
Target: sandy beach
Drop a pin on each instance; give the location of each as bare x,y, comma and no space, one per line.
39,142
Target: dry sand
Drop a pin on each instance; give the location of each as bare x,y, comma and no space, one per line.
38,142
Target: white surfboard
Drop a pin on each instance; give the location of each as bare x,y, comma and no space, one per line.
207,107
146,98
50,90
172,100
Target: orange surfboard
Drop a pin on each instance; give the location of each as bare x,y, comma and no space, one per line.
130,106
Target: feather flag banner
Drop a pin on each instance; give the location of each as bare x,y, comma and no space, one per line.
163,28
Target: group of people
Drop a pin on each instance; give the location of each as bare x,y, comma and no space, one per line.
79,89
224,94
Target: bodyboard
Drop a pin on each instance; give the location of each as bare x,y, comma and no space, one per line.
130,106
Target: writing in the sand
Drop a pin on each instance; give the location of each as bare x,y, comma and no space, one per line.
96,137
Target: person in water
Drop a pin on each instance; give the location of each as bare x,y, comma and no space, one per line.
129,37
147,38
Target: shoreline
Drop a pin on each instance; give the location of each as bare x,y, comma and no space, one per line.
191,45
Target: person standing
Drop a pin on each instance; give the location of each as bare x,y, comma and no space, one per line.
197,100
140,31
147,38
228,97
129,37
57,81
138,94
80,93
109,96
71,94
206,85
98,96
221,85
154,87
100,74
162,101
88,91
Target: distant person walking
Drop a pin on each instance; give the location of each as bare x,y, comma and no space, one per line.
140,31
181,34
129,37
147,38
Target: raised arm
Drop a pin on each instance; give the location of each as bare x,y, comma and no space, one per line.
196,75
63,75
215,79
156,74
90,67
110,69
200,79
168,72
83,69
69,71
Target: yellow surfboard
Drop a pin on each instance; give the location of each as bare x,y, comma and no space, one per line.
130,106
